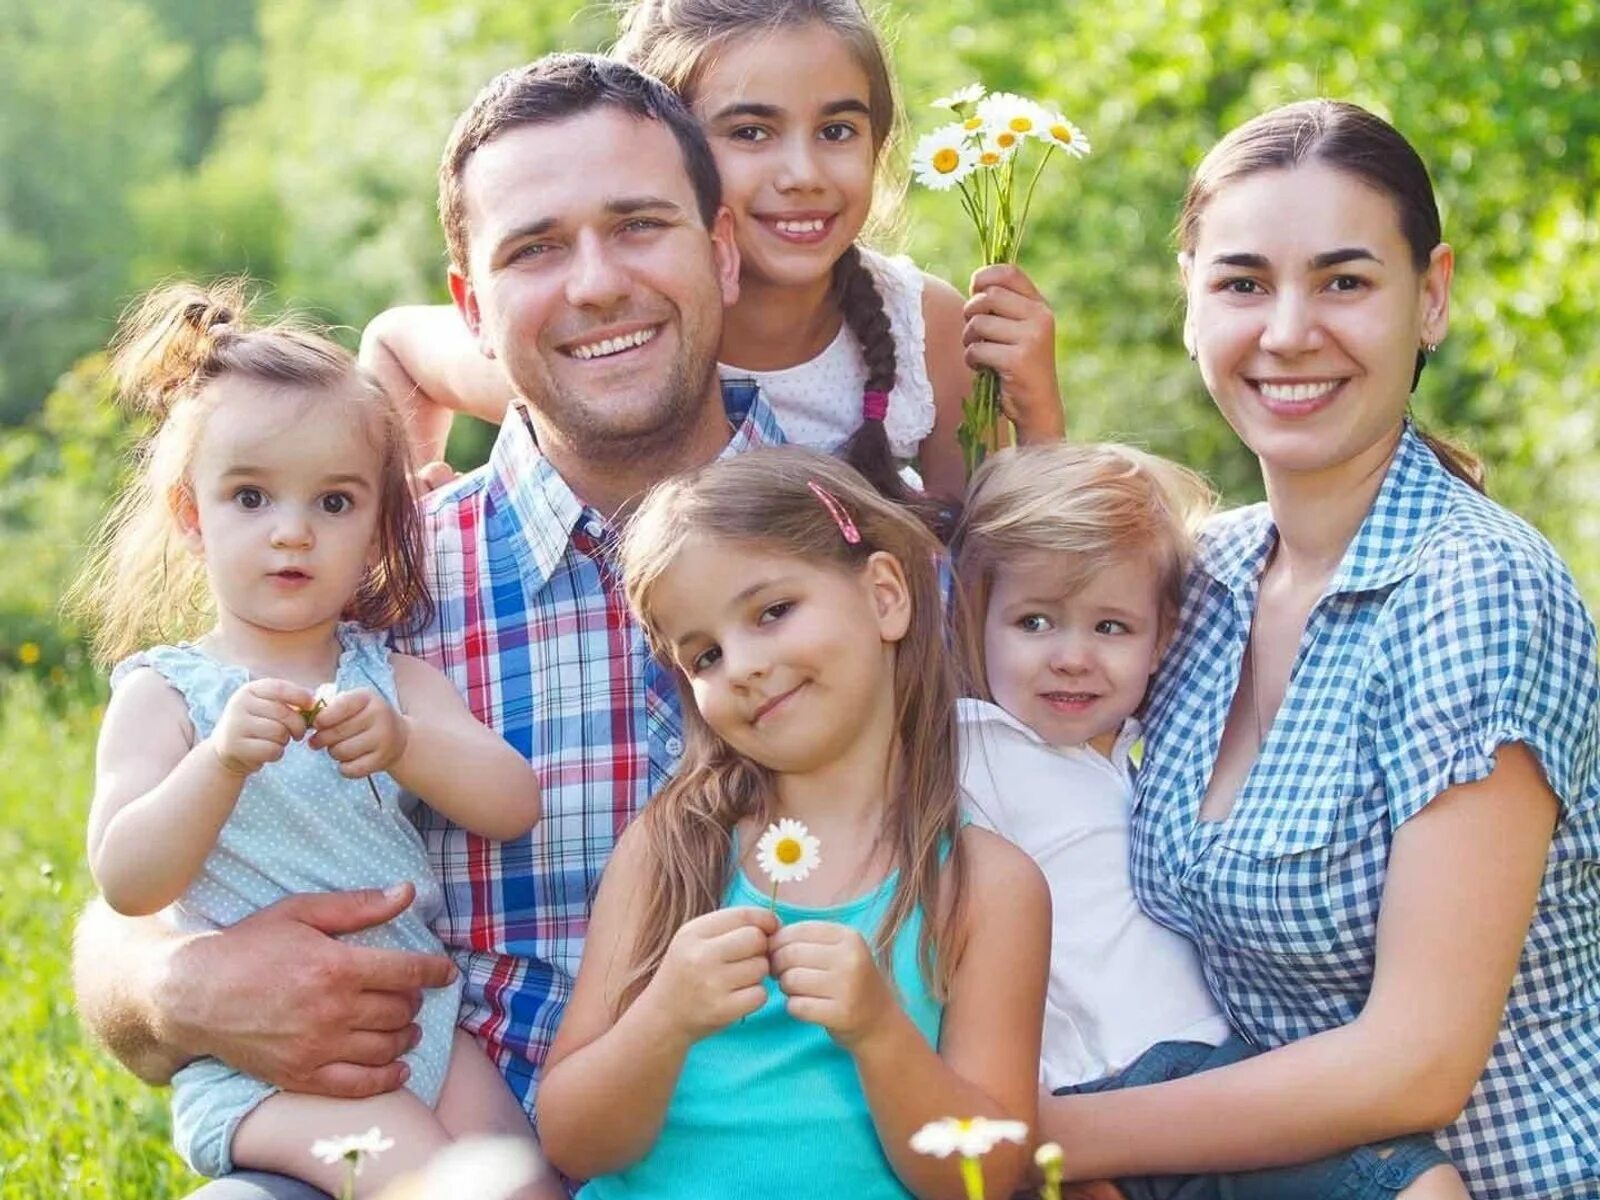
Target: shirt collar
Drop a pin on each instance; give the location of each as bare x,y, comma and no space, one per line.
543,514
972,711
1413,497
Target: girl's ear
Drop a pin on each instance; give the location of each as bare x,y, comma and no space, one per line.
187,514
891,596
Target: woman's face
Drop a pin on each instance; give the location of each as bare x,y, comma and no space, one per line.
1305,313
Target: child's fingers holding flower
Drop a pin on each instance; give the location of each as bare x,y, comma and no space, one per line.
1011,330
831,978
714,971
257,724
362,731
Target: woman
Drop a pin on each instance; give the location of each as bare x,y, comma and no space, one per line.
1370,787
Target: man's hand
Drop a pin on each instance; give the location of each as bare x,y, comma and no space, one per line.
278,998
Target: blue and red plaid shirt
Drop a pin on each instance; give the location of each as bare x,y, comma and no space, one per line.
532,627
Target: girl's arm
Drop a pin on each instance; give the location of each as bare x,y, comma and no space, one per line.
437,749
608,1079
160,799
987,1063
1462,879
939,458
428,361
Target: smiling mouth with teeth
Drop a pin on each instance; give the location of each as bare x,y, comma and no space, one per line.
1296,392
610,346
816,225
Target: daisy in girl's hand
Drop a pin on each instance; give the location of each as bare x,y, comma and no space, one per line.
787,852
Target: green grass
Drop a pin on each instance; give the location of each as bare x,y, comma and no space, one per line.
72,1122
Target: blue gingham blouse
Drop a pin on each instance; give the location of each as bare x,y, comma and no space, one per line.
1450,628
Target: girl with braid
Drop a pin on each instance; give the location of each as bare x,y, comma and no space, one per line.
858,353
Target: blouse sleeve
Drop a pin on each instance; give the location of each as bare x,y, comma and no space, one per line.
1492,647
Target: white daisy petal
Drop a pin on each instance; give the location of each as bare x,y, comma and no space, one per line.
962,97
1011,113
356,1147
970,1138
943,158
787,852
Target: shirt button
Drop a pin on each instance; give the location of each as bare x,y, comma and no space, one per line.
1270,838
593,528
674,746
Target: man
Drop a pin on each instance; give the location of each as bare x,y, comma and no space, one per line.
591,256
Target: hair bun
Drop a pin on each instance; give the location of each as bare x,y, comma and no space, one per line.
167,342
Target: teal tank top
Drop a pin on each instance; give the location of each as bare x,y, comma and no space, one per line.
771,1106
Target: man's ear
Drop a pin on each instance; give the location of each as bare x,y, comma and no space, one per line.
465,297
187,515
725,253
891,595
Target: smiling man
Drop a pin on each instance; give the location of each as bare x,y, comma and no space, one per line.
591,255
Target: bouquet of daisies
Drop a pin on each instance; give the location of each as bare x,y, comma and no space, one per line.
980,155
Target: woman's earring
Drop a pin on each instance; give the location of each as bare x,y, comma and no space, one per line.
1431,347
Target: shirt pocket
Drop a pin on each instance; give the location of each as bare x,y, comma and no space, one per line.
1288,881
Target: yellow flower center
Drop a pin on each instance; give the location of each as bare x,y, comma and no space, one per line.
1061,133
946,160
972,123
28,653
1021,124
989,158
1005,140
787,851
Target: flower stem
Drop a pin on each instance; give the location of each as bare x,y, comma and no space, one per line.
972,1177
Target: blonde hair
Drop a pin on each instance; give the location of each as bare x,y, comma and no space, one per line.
764,499
1090,504
139,583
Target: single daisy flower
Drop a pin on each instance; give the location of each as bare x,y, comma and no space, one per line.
943,158
961,97
971,1137
1048,1159
320,699
1012,113
787,852
1064,135
353,1149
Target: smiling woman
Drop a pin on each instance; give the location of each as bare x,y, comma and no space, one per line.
1373,743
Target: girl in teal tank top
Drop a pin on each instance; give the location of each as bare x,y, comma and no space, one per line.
729,1036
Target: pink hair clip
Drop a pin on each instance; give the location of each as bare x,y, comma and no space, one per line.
836,511
874,406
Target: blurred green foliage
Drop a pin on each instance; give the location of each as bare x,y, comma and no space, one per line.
297,141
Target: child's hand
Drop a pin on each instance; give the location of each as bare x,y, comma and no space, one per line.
257,723
1011,330
362,731
828,973
713,970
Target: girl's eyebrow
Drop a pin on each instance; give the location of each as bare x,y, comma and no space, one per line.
769,112
1320,262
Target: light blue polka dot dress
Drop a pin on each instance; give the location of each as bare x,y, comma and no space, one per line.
299,826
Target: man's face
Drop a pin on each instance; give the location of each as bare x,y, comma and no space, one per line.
593,280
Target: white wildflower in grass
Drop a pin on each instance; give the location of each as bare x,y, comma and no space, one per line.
353,1150
1011,113
962,97
970,1138
979,157
943,158
1048,1159
1064,135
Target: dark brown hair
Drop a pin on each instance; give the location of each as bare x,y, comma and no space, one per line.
140,584
1350,139
551,89
764,499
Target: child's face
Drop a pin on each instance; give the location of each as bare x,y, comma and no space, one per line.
790,662
284,507
788,120
1072,666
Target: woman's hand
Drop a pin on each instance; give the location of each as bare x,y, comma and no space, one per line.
363,732
713,970
831,978
1011,330
257,724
